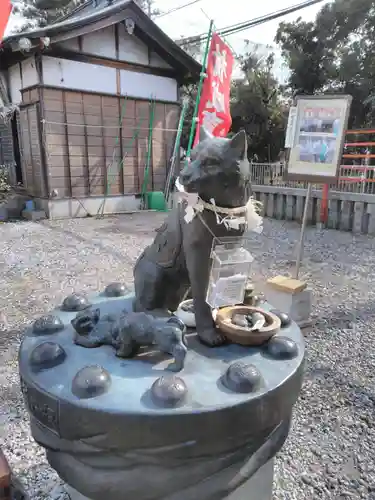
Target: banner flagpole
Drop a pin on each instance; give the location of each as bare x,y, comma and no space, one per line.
200,86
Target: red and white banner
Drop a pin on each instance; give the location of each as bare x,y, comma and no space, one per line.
214,104
5,10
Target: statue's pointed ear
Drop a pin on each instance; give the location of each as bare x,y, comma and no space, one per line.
239,144
203,134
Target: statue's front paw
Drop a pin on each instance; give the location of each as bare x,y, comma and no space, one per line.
127,350
211,337
175,367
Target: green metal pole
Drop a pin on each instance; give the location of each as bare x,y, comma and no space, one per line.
132,140
200,86
176,148
123,111
148,161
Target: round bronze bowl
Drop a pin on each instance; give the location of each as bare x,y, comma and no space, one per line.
242,336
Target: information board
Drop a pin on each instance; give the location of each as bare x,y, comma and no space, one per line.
318,138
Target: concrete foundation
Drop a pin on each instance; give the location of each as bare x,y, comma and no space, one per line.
12,207
3,214
33,215
83,207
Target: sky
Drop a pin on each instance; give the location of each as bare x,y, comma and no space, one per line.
192,21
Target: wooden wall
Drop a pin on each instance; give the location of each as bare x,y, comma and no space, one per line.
6,143
88,154
30,143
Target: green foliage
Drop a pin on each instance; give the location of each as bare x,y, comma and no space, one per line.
257,107
46,12
43,12
335,53
4,184
189,91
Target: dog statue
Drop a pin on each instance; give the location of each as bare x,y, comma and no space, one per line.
130,331
179,257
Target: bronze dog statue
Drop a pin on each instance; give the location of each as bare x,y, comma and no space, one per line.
179,257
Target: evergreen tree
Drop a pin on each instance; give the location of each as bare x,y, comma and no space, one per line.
45,12
334,53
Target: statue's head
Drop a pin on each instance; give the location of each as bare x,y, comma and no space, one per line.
218,168
85,321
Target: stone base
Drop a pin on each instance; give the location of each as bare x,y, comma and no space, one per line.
34,215
258,487
130,428
13,206
295,301
3,214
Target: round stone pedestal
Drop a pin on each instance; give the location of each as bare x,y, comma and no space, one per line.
129,428
258,487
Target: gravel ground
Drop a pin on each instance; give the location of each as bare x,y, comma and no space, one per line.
329,453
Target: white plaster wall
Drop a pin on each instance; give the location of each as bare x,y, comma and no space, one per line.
29,73
146,86
78,75
15,83
157,62
131,49
91,77
100,43
71,44
19,80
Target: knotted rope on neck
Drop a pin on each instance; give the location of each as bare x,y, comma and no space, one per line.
231,218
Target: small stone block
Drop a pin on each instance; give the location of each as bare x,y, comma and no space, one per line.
288,285
34,215
297,305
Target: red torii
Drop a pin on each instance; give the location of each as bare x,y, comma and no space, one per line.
324,204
